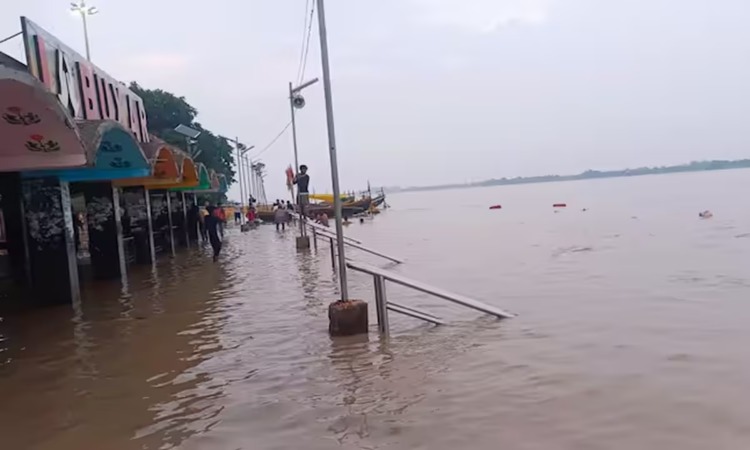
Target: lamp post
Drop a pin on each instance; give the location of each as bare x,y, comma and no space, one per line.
332,149
191,134
239,171
81,8
248,177
258,168
243,149
297,101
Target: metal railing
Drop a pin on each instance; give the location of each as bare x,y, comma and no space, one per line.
380,276
382,305
319,230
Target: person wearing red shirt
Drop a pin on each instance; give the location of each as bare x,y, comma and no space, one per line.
221,217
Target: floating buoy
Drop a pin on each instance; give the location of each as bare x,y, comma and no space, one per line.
496,207
559,205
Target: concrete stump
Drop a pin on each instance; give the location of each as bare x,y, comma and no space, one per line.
303,242
347,318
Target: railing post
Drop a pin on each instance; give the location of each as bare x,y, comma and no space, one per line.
381,305
333,255
185,220
169,221
315,239
378,299
149,215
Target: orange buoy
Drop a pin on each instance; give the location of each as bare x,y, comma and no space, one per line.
496,207
559,205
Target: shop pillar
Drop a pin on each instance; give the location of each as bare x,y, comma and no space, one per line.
13,261
53,267
105,230
191,217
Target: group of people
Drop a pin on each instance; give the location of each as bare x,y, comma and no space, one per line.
251,212
282,214
211,221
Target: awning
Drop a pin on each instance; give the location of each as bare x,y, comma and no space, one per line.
165,170
204,181
112,152
215,184
189,173
36,132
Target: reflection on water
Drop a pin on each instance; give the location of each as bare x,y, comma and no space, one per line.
630,334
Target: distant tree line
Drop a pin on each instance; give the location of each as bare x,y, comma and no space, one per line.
694,166
164,111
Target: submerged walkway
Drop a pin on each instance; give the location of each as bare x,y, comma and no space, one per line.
209,355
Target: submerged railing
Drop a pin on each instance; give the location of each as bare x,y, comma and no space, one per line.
319,230
380,276
382,305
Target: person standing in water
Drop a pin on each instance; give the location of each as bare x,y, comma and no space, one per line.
212,229
219,213
302,180
281,217
203,213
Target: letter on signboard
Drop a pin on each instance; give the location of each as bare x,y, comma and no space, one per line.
43,63
87,87
67,91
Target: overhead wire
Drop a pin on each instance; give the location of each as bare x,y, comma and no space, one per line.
306,45
302,65
304,39
273,141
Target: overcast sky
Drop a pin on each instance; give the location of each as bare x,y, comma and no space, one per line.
438,91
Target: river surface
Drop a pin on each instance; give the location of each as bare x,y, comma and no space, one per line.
632,333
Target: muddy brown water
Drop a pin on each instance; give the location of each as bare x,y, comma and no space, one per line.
632,332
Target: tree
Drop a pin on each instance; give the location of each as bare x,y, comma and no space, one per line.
164,111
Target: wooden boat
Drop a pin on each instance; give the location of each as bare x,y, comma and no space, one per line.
266,212
379,200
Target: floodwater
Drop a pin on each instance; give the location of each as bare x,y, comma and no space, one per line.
632,332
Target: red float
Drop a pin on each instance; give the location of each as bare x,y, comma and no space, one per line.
559,205
496,207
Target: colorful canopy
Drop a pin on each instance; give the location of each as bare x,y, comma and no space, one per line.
204,181
37,132
165,171
112,152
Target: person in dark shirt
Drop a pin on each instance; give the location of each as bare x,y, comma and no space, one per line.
212,229
302,180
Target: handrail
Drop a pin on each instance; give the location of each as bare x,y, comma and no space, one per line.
325,232
380,275
330,235
321,228
415,313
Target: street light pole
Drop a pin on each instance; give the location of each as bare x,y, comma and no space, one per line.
297,101
294,128
239,173
84,11
296,163
248,176
332,149
86,36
